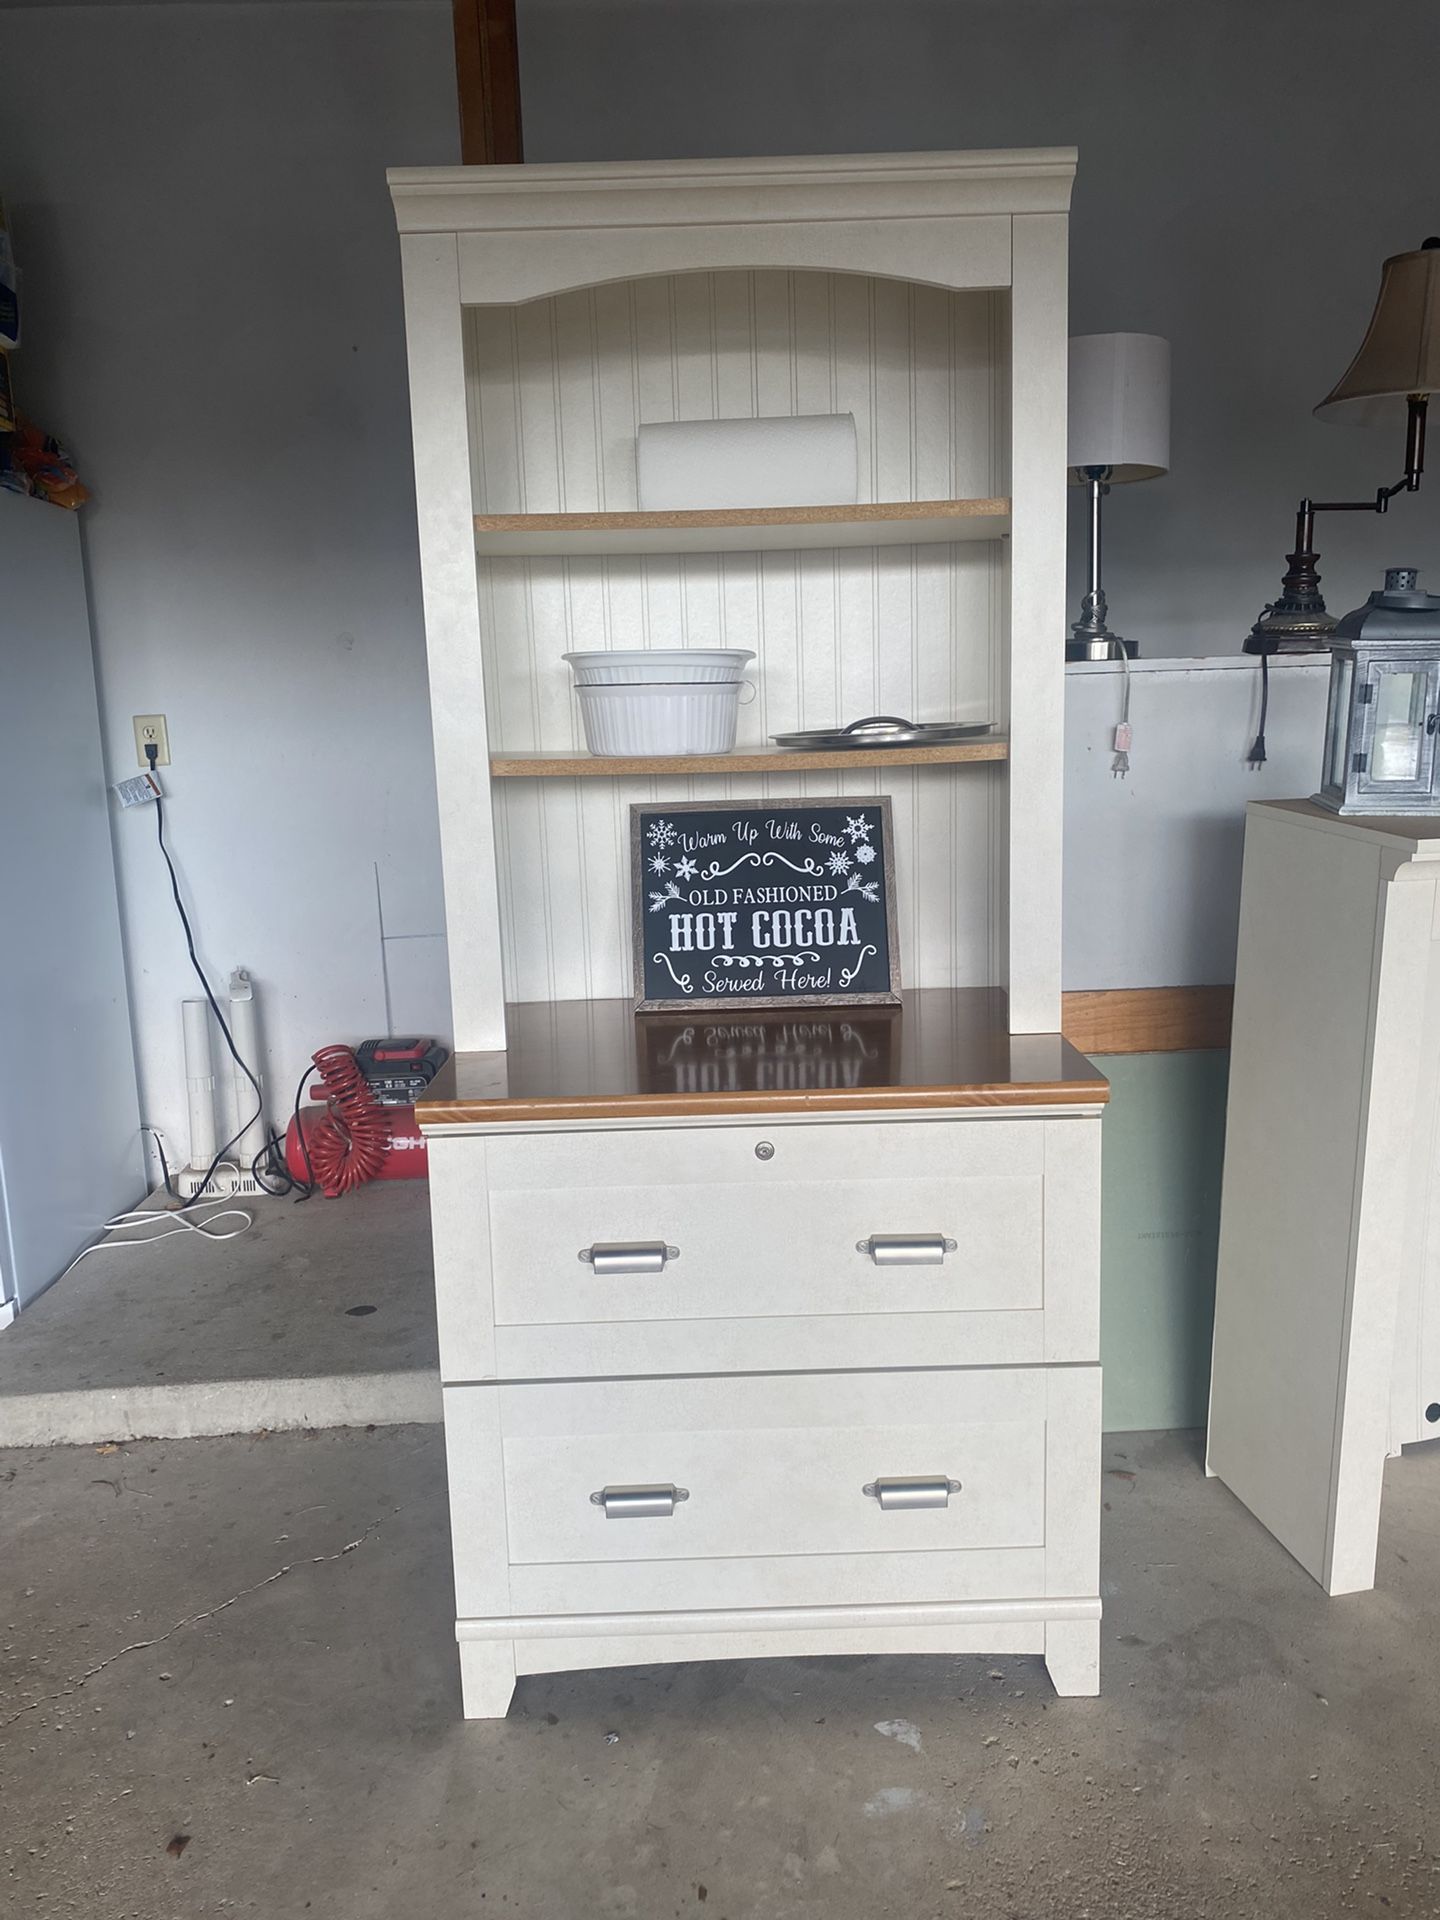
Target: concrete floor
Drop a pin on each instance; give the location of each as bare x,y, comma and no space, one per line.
321,1314
1258,1750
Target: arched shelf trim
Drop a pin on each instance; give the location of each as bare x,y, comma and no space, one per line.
972,255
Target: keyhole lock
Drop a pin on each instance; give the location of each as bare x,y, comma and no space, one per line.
764,1150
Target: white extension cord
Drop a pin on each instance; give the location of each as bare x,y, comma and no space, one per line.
170,1222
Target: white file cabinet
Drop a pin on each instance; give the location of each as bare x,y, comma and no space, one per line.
757,1383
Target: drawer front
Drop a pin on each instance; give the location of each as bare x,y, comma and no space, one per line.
774,1468
738,1222
666,1470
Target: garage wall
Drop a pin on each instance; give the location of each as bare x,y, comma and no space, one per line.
213,320
1245,166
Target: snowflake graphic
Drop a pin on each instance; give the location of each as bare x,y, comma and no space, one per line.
857,827
685,868
865,853
659,864
661,833
839,862
659,900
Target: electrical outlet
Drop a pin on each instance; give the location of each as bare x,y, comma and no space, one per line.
151,731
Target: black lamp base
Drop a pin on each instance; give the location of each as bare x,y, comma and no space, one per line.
1298,622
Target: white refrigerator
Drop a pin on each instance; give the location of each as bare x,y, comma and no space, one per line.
70,1150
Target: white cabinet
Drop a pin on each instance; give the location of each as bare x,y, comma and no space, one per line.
1326,1356
768,1335
821,1462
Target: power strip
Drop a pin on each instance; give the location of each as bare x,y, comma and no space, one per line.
223,1184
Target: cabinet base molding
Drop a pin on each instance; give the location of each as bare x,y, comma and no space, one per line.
938,1613
1064,1631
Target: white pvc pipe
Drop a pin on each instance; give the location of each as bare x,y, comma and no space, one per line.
199,1081
244,1032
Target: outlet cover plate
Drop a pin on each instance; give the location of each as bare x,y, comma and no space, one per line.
151,731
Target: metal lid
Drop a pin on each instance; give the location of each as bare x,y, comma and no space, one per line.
886,730
1398,611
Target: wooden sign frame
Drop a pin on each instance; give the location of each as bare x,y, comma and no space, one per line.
830,877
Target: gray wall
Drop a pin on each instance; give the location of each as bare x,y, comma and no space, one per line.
1245,166
213,320
69,1131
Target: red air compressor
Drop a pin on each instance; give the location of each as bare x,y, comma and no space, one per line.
359,1131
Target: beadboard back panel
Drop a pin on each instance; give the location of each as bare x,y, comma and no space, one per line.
556,391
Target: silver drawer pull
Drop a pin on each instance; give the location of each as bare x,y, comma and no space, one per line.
906,1249
904,1490
628,1256
638,1503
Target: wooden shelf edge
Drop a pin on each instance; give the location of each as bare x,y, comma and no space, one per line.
1147,1019
433,1115
585,766
739,529
881,513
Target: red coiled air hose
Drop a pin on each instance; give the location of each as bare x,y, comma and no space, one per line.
349,1145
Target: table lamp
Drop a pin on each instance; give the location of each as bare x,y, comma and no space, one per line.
1119,432
1395,372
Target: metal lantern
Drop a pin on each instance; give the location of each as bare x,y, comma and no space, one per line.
1384,712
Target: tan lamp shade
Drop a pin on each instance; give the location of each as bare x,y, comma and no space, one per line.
1400,353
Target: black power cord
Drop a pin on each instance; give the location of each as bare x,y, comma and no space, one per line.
1256,756
310,1184
151,754
272,1155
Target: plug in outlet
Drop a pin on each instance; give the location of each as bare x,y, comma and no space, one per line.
151,731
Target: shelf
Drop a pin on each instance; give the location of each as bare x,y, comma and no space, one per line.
586,766
741,529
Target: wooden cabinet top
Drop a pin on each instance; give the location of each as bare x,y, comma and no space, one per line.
583,1060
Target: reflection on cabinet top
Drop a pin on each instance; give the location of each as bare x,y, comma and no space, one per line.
741,529
584,1060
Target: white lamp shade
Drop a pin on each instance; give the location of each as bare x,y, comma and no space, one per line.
1120,405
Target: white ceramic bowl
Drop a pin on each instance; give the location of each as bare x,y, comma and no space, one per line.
642,666
660,718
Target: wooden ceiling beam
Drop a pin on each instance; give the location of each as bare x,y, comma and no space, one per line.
487,72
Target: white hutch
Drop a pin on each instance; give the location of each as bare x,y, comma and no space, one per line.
735,1429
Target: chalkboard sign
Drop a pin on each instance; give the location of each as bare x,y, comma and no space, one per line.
764,903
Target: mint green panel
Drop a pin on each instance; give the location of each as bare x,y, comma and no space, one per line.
1160,1213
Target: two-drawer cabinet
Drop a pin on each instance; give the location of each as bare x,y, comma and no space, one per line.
776,1384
